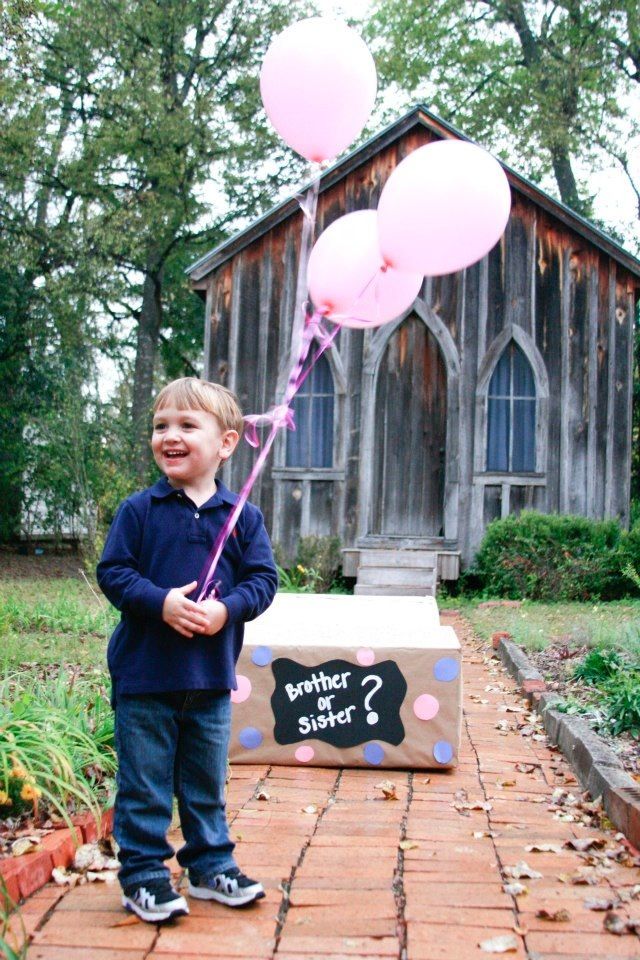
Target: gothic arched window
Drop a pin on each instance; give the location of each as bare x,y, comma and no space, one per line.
511,414
311,443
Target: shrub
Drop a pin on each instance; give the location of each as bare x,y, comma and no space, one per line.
622,693
322,556
56,744
598,666
551,557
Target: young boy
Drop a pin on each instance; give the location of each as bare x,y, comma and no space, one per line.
172,661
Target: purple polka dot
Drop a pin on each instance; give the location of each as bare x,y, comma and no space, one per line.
250,738
446,669
442,751
373,753
262,656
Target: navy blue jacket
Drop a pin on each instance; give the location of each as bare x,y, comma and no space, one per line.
158,540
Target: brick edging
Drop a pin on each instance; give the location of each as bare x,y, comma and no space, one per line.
23,875
595,764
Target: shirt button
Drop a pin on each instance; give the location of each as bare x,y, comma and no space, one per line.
197,516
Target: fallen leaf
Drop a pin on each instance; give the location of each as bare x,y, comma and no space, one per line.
515,889
427,780
503,944
578,879
585,843
127,921
605,904
25,845
525,767
310,809
557,916
408,845
388,788
104,876
62,877
521,931
543,848
522,869
263,795
501,784
615,924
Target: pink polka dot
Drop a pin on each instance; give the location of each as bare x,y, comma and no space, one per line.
304,754
365,656
244,689
425,707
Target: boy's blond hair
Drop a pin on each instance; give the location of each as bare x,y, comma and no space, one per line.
190,393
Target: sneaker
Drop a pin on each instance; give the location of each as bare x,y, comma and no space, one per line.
231,888
155,901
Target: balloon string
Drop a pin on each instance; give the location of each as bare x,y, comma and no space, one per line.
281,416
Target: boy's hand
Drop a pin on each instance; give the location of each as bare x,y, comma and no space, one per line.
185,616
217,615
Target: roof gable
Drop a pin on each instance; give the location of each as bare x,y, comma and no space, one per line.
416,117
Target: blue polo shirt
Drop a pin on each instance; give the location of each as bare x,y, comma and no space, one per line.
158,540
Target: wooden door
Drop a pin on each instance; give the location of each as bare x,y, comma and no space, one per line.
410,431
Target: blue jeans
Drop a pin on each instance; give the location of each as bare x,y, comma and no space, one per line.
172,743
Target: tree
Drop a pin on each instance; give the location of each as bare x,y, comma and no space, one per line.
167,95
536,81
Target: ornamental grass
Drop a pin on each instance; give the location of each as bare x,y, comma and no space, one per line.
57,754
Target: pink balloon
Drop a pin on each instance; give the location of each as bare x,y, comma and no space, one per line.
348,280
318,85
443,208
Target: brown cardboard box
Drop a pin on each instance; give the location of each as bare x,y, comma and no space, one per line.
348,681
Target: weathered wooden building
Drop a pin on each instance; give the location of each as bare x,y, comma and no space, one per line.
505,386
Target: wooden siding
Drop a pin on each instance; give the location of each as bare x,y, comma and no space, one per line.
568,304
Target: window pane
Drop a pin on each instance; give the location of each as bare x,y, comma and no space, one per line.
500,383
498,434
523,382
322,432
311,444
298,439
524,435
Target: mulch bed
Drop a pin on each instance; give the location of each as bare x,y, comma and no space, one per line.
556,664
21,562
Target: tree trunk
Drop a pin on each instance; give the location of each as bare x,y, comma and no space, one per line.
149,325
566,180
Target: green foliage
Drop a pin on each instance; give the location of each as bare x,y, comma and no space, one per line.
298,579
323,556
13,934
622,693
598,666
56,743
316,568
542,83
551,557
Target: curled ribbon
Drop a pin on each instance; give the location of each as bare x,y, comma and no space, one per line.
279,417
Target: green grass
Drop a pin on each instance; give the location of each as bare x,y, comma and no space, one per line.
54,621
534,625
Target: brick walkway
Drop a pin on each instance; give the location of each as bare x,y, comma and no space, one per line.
341,883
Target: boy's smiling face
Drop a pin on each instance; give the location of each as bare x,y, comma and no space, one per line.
190,445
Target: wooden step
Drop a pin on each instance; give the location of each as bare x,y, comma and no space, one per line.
370,590
403,576
420,559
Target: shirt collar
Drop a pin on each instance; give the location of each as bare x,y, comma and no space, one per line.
163,489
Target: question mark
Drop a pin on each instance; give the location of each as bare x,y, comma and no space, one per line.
372,716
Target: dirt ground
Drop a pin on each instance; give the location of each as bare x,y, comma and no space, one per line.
27,562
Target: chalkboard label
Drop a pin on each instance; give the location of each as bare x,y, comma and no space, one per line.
338,702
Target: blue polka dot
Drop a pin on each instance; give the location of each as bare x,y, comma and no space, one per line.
446,669
373,753
442,751
262,656
250,738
